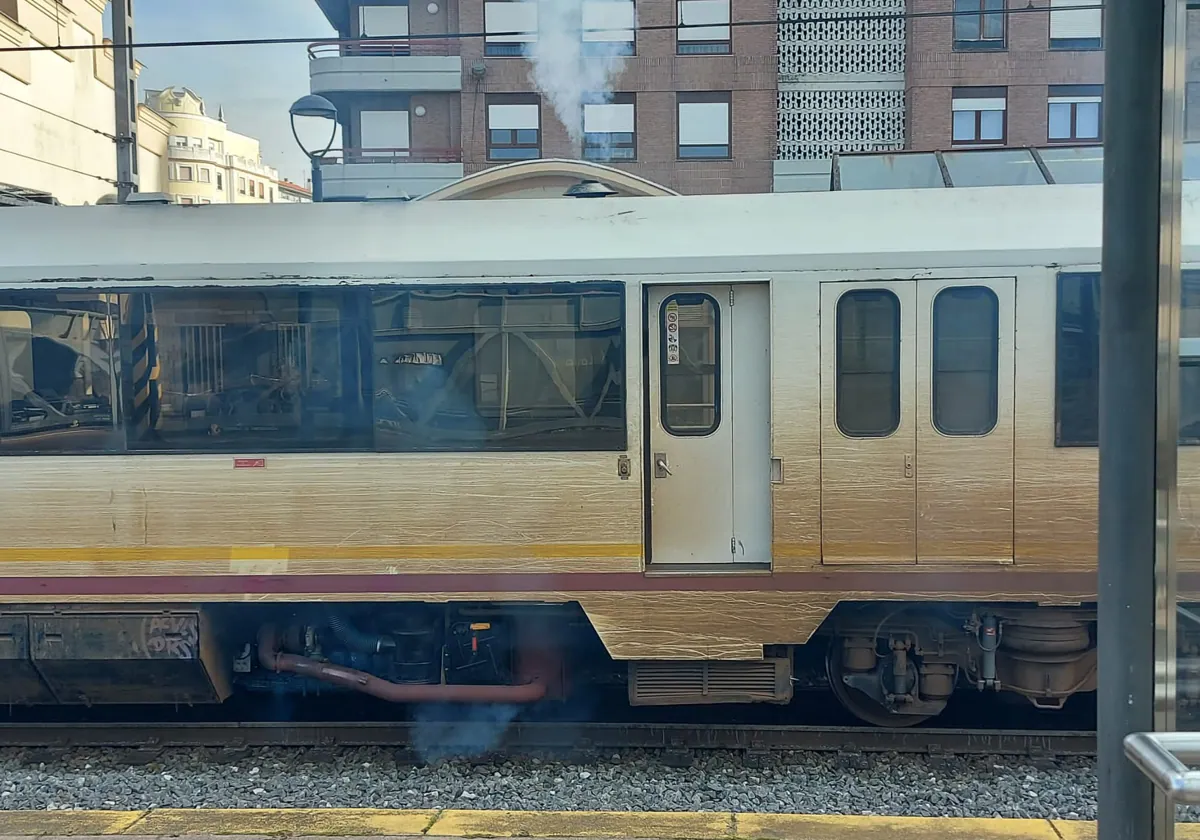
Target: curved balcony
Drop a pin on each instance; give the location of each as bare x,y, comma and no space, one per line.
385,65
349,173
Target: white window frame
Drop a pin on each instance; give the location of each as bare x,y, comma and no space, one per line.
204,174
181,168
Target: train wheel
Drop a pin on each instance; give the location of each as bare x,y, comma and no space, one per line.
860,705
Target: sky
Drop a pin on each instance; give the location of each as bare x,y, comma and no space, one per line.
255,84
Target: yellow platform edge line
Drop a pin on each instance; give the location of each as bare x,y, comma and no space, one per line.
661,825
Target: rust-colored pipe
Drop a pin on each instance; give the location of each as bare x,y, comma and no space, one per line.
270,657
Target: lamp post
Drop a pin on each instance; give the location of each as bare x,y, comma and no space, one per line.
320,108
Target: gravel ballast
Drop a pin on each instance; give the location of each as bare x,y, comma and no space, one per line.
884,784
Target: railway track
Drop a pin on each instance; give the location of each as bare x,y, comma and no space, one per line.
553,737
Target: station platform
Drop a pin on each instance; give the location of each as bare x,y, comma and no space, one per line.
610,825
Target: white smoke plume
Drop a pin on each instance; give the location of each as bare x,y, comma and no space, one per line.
562,70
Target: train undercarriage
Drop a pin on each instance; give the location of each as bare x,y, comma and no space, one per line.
888,664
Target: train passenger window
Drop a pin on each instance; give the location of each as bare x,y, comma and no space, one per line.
690,365
868,363
514,368
59,373
245,370
966,347
1077,369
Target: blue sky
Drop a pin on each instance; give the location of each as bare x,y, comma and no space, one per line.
255,84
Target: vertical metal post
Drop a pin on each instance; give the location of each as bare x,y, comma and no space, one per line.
1138,417
125,88
318,189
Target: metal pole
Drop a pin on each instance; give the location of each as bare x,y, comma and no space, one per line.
1135,471
125,89
318,190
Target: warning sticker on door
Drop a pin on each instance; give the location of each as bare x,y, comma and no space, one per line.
672,328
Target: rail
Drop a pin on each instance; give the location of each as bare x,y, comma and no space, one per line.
351,154
383,46
570,737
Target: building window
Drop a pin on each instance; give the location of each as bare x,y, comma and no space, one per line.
499,368
205,174
1074,113
966,366
979,24
184,172
979,116
185,200
609,131
1076,28
384,133
608,27
514,127
205,201
241,186
262,192
220,182
868,363
179,142
515,24
690,365
704,125
383,21
271,195
703,27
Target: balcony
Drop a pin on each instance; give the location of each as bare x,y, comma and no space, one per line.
388,173
380,65
196,153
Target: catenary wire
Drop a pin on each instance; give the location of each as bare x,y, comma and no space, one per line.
59,116
58,166
815,20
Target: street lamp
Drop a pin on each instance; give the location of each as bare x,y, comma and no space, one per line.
321,108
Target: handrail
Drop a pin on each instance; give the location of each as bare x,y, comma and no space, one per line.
384,47
1161,756
352,154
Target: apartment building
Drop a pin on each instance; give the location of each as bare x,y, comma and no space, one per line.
693,109
208,162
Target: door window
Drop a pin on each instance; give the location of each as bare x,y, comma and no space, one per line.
690,361
966,370
868,363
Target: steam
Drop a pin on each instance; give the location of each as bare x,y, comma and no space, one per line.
561,69
466,732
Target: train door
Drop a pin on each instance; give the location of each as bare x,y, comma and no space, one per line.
868,423
965,407
708,446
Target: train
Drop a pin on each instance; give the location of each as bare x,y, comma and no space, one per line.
499,451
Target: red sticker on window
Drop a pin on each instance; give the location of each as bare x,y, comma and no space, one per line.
249,463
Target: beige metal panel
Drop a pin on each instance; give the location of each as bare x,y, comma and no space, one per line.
868,490
399,512
1056,487
965,483
796,422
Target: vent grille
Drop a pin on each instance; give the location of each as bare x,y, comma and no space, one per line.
683,683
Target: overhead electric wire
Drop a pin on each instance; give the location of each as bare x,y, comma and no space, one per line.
59,116
452,36
58,166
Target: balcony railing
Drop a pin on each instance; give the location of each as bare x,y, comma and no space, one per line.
384,46
196,153
393,155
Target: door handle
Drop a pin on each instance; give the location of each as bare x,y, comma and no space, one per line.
661,470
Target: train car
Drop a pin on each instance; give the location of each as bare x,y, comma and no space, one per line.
498,451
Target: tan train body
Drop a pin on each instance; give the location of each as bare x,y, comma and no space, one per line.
671,556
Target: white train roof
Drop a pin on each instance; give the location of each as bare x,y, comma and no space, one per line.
888,230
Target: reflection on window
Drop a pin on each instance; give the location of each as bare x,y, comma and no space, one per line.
868,363
533,368
690,338
979,24
246,370
59,373
966,340
1078,364
514,127
979,116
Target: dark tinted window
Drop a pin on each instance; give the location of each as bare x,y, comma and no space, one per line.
868,363
59,373
1077,373
966,342
247,369
534,368
691,360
